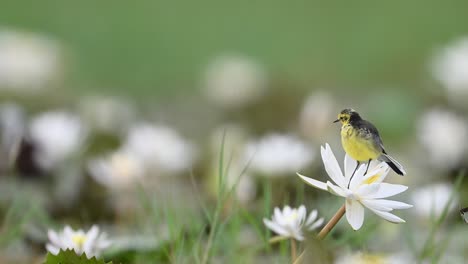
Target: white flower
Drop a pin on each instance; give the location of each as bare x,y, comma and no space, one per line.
316,114
234,81
160,147
278,155
450,67
441,133
107,114
429,201
58,135
361,190
91,243
118,170
27,61
290,223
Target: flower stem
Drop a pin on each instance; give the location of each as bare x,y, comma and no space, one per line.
333,221
293,250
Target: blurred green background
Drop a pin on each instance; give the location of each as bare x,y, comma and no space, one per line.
158,47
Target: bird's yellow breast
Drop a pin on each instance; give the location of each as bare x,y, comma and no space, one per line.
358,147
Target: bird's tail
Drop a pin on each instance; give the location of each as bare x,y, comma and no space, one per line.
395,165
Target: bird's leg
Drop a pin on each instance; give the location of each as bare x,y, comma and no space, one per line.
368,164
355,169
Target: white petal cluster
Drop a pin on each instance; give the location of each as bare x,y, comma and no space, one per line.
118,170
58,135
234,81
450,67
443,139
291,222
92,243
278,155
361,190
430,201
27,61
160,147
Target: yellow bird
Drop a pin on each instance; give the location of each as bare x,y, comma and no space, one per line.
362,142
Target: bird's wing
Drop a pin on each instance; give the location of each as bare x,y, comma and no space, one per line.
370,132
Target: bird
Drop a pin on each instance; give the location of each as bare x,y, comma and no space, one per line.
361,141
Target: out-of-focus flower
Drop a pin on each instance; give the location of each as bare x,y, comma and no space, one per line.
366,258
92,243
316,114
443,135
450,67
234,81
429,201
107,114
57,135
118,170
290,223
27,61
278,155
361,190
12,127
160,148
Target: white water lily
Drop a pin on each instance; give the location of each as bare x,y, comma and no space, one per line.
92,243
291,222
361,190
118,170
58,135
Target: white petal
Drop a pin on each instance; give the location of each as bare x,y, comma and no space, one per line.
391,204
354,214
314,183
374,204
366,190
278,216
316,224
53,237
333,189
276,228
52,249
349,164
357,178
388,216
332,167
312,217
387,190
381,171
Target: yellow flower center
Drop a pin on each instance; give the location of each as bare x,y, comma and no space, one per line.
79,240
371,179
292,217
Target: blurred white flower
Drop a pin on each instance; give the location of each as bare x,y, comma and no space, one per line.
92,243
429,201
58,135
160,148
365,258
450,67
290,223
278,155
119,170
107,114
316,114
443,135
27,61
361,190
234,81
12,125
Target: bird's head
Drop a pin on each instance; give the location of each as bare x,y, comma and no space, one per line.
347,115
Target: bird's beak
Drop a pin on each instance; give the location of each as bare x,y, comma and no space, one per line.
336,121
